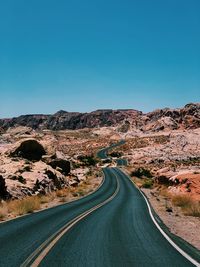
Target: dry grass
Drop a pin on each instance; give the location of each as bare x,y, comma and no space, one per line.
64,199
62,193
3,211
189,206
24,206
181,200
45,199
192,210
13,208
164,192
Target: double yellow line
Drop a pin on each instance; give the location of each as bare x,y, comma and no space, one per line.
40,253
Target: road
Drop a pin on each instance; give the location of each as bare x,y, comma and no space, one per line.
116,230
120,233
22,236
103,152
121,162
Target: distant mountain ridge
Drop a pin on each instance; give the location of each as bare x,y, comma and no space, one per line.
186,117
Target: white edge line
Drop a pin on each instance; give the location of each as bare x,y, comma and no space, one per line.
183,253
70,224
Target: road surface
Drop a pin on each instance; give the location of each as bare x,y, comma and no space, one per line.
111,227
22,236
121,233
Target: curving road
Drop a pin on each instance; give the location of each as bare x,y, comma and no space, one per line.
120,233
111,227
19,238
103,152
121,162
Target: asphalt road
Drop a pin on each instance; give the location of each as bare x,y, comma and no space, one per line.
121,233
103,152
121,162
118,232
22,236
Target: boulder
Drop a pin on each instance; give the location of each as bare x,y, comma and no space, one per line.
61,164
30,149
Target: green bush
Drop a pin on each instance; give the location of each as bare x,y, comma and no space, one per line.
87,160
147,183
141,172
116,154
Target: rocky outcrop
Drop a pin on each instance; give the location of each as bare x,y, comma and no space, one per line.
71,120
60,164
158,120
30,149
32,121
187,117
164,123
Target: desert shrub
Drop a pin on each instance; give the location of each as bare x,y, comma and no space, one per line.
87,160
163,191
2,215
141,172
192,210
164,180
115,154
3,211
189,206
81,193
89,173
147,183
61,193
181,200
64,199
76,165
24,206
44,199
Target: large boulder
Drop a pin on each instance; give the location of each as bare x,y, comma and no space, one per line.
61,164
30,149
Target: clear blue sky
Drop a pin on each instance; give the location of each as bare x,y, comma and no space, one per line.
84,55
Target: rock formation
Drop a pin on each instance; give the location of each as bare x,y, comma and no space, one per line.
29,149
61,164
186,117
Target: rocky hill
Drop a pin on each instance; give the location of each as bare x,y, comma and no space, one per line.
71,120
183,118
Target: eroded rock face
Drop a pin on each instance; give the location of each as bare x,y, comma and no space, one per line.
30,149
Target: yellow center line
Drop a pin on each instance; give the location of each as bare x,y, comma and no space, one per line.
57,236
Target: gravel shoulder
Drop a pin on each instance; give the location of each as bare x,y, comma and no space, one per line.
186,227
